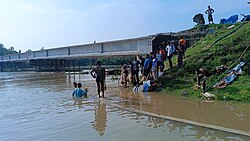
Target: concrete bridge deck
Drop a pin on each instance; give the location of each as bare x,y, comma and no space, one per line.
126,47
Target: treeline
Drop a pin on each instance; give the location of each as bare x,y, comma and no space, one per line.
5,51
105,61
115,60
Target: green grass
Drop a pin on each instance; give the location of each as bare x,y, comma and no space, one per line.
228,51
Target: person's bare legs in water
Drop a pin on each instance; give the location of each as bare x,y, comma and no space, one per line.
100,87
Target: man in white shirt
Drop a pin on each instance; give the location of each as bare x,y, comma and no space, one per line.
170,52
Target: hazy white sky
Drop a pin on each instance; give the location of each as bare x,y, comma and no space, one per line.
33,24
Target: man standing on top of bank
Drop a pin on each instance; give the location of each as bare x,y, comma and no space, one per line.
210,11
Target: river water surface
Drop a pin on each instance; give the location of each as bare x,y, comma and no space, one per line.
39,107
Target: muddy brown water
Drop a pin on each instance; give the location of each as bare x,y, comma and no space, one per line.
39,106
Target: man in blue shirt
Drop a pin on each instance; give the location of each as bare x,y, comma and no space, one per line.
146,66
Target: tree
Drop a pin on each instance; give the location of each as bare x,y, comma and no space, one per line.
11,48
4,51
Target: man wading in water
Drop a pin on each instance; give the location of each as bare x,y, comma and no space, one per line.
99,74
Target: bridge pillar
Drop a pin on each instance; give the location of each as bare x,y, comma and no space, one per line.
73,61
38,65
63,65
56,65
79,66
15,66
49,65
1,67
68,65
37,68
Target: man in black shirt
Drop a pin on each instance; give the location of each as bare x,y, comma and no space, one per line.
99,74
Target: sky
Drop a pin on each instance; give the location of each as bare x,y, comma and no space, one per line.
33,24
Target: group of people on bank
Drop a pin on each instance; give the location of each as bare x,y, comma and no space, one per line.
152,66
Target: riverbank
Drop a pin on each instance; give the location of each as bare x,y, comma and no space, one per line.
229,50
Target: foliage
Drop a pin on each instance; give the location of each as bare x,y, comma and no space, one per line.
115,61
4,51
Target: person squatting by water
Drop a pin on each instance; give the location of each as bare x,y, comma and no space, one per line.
98,73
210,11
79,92
201,77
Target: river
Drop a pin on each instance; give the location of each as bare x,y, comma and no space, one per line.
39,106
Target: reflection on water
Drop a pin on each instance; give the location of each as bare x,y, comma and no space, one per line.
39,106
100,118
182,130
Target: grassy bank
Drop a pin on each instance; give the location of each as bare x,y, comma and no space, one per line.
227,51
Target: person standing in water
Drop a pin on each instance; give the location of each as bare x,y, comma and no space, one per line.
99,74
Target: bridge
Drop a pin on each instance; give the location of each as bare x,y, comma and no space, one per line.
56,59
